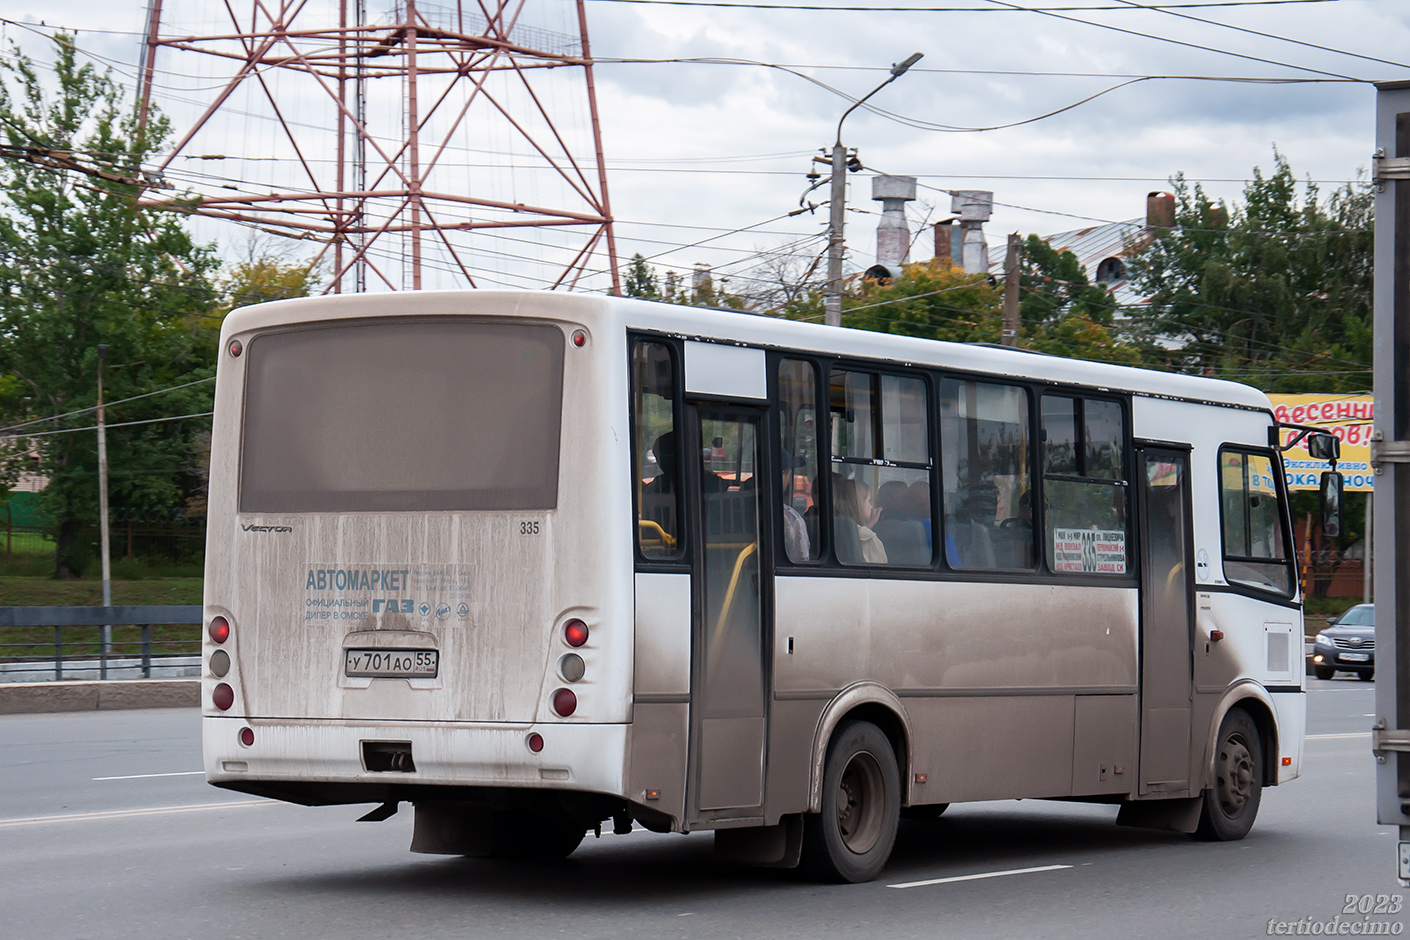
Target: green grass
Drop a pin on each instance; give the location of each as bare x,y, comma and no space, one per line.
38,642
30,591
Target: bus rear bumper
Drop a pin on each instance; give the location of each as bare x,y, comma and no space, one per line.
575,756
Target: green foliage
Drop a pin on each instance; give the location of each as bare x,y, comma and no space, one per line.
1275,292
641,279
264,277
933,300
1062,313
82,264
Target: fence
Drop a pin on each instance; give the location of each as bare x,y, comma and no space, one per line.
144,641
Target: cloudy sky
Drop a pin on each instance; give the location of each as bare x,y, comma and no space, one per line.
704,150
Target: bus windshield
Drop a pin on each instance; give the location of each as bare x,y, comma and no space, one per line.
405,415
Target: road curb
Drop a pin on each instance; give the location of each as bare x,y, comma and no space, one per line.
21,698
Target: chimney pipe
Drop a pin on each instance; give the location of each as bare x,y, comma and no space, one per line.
1160,210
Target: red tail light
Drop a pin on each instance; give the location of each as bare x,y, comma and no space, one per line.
223,697
247,736
535,742
220,629
575,633
565,702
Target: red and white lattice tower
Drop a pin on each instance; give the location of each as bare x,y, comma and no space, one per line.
417,144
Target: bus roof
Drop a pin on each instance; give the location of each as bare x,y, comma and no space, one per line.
738,327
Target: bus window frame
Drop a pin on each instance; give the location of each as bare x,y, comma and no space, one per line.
876,369
682,561
1134,527
1285,513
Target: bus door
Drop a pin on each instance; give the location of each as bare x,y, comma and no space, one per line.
1167,624
728,614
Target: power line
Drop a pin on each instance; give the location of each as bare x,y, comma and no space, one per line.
108,404
877,9
122,424
1168,10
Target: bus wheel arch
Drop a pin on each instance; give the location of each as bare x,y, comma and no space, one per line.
872,703
1253,699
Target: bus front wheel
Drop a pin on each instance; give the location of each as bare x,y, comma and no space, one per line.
852,837
1236,785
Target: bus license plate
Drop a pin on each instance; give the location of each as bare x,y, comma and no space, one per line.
391,664
1355,657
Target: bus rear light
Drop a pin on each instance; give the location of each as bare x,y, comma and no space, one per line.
220,663
223,697
572,667
579,338
247,737
220,629
565,702
236,349
535,742
1287,761
575,633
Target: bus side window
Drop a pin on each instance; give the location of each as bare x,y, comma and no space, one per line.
1084,486
984,449
656,471
1255,553
881,469
798,458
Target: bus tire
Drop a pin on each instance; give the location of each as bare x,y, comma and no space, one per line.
1236,785
534,838
852,837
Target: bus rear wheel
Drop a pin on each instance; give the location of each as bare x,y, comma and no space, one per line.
535,838
1236,786
852,837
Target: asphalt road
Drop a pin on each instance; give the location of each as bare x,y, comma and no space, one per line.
108,830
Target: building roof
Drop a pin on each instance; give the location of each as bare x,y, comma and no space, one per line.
1097,243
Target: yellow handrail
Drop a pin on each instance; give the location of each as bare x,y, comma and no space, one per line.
729,594
661,533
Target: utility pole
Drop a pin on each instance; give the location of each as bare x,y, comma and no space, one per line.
1011,276
1390,456
832,298
103,512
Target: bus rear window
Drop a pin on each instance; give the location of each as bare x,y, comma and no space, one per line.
405,416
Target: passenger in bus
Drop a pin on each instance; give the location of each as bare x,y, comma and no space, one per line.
795,530
852,499
969,527
906,540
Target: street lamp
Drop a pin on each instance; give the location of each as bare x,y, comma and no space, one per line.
832,299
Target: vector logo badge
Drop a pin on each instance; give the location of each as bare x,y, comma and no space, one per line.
267,528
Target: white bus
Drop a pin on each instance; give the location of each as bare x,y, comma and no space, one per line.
532,561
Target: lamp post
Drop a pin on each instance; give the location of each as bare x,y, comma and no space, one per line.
103,513
832,299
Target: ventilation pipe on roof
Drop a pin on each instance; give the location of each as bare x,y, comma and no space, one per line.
1160,210
893,235
974,207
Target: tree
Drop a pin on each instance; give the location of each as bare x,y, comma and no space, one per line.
641,279
1062,313
1275,292
82,263
932,300
265,274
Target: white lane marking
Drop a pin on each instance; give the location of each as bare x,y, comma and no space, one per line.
179,773
981,875
1348,734
126,813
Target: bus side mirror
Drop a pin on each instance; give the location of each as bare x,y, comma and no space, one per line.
1330,492
1323,447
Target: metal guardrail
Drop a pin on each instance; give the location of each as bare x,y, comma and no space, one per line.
144,617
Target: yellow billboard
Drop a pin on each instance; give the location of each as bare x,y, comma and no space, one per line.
1349,417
